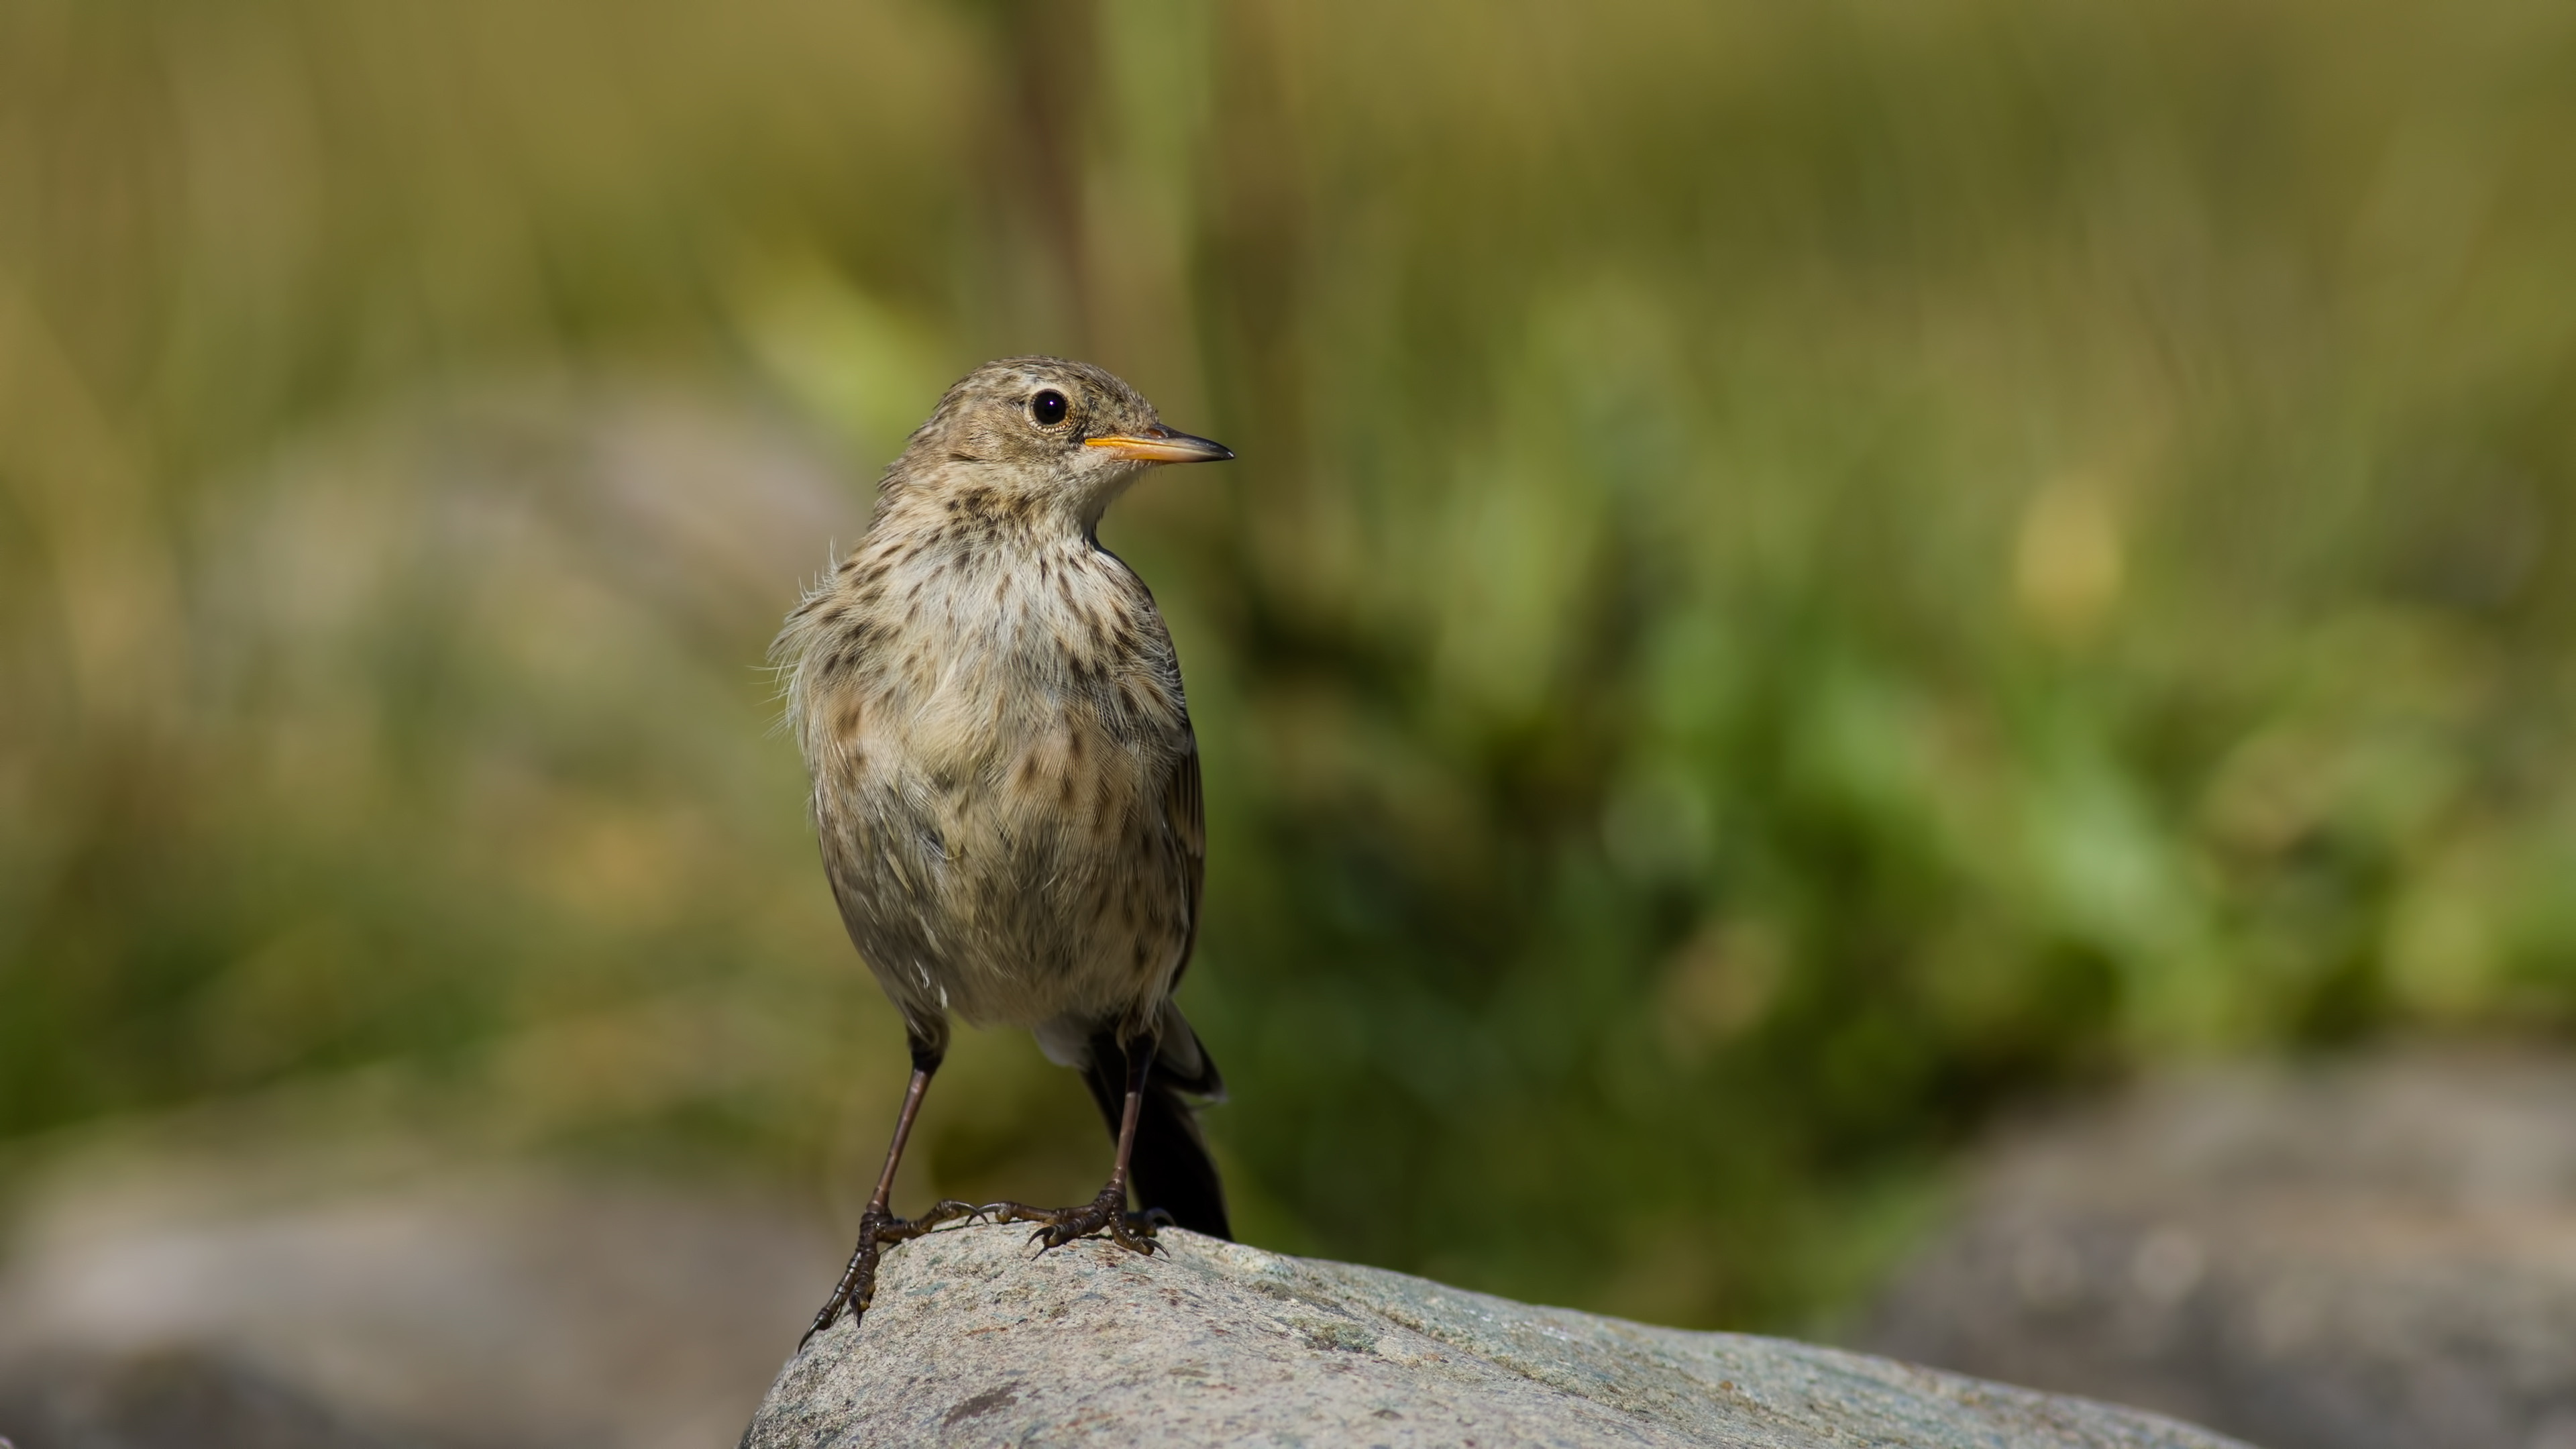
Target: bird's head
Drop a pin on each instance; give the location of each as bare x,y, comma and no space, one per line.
1045,434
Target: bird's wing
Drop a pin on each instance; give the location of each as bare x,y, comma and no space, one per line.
1185,815
1181,1062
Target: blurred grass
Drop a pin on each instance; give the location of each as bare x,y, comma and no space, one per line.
1796,574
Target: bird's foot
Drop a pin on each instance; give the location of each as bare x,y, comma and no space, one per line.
878,1228
1104,1215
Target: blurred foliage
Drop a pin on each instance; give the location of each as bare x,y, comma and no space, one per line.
1797,571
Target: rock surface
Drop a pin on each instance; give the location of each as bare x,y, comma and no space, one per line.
289,1302
2366,1254
162,1399
972,1341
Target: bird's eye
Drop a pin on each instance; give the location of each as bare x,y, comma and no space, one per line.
1049,408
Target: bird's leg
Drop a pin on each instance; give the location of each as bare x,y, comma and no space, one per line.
879,1226
1107,1212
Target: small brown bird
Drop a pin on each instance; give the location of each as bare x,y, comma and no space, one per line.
1006,787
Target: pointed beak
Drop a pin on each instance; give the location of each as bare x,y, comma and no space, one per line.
1161,445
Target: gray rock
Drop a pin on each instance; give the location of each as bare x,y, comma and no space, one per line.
169,1398
2370,1254
974,1341
153,1301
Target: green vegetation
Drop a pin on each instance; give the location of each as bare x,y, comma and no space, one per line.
1797,572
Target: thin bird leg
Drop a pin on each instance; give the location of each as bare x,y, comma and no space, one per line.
1106,1213
879,1226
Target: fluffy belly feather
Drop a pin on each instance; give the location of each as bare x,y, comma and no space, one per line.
1013,866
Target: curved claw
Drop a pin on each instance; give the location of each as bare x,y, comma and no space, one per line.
858,1284
1104,1215
946,1210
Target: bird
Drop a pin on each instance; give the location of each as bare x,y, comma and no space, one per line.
1005,784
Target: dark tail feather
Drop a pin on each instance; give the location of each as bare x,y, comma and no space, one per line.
1170,1168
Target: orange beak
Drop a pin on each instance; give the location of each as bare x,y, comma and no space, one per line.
1162,446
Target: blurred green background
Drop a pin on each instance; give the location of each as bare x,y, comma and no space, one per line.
1798,574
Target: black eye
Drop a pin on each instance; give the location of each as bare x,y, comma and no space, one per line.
1049,408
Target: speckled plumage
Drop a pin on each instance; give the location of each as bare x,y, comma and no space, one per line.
1006,788
1005,785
